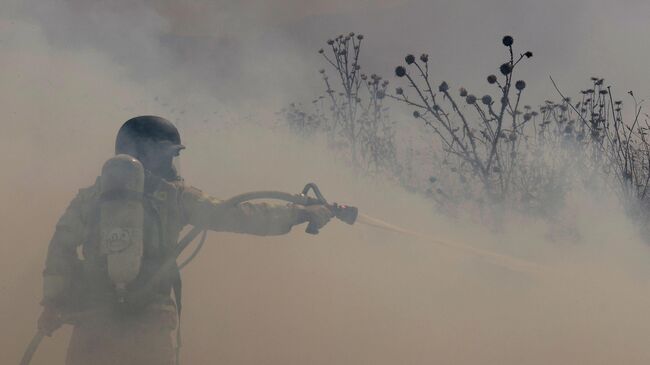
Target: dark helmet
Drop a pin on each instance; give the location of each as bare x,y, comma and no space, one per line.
146,128
154,141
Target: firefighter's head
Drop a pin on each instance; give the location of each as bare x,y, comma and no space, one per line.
153,140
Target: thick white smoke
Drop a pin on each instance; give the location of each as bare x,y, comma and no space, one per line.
350,295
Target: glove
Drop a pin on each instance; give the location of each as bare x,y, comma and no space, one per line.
318,216
49,321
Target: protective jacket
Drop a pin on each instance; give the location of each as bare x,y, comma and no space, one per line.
75,275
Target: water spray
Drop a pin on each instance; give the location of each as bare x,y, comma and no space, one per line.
508,262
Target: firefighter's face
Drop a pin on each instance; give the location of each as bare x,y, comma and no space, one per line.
158,156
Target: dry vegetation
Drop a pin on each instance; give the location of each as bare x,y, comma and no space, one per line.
351,112
491,152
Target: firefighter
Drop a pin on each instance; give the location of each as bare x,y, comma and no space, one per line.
115,235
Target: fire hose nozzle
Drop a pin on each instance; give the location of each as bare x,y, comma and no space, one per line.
345,213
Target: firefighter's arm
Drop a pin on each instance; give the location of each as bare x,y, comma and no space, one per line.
62,252
262,219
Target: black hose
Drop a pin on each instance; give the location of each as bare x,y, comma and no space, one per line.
271,194
301,199
195,252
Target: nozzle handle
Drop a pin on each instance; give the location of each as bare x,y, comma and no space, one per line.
312,228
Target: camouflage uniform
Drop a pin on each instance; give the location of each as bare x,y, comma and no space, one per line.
75,275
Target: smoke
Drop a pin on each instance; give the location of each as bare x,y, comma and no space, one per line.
350,295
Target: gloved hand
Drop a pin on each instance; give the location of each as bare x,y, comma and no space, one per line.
50,320
318,215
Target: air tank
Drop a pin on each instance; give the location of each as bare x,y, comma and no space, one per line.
121,219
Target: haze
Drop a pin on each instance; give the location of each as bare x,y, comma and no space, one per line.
72,71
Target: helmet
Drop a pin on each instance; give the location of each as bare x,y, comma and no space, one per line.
153,140
136,131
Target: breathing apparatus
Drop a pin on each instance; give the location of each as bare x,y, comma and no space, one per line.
121,220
